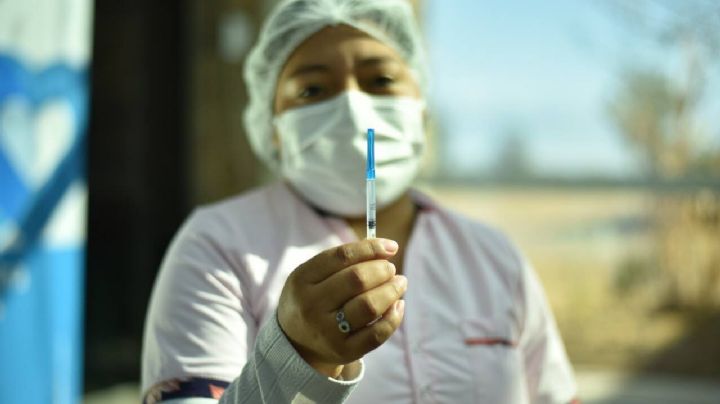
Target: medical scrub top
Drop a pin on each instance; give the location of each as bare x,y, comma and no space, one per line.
477,326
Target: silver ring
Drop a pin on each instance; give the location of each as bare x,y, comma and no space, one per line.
343,324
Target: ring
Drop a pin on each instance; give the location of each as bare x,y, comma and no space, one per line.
343,324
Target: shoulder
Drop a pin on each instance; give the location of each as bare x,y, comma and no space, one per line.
481,244
465,229
492,239
243,206
232,216
229,227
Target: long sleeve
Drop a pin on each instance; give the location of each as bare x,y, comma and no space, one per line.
275,373
204,329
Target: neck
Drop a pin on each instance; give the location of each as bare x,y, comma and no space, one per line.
394,221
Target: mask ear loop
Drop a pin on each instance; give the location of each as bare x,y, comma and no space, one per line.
275,143
275,153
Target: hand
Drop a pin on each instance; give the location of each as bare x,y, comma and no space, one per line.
356,277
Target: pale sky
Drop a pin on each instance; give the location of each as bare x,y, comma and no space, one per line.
546,69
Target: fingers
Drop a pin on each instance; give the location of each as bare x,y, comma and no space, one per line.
366,308
330,261
339,275
342,286
368,338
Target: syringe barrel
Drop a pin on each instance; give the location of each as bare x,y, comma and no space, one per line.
370,209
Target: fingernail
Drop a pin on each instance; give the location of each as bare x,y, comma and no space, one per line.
400,306
389,245
401,281
392,268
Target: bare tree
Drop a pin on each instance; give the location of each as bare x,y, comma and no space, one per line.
513,160
657,113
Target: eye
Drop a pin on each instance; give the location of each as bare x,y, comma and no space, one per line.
311,91
383,81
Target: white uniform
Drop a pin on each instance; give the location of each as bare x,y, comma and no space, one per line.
477,327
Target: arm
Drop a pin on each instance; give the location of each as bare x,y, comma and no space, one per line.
201,333
275,373
200,325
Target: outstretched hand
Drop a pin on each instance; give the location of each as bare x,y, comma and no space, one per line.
355,277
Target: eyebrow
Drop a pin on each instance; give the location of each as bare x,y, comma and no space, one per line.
321,68
306,69
377,60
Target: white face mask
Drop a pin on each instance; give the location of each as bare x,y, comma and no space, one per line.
323,149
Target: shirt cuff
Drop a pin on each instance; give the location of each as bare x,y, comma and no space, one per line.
277,359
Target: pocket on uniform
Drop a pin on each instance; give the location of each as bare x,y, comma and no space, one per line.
495,361
486,332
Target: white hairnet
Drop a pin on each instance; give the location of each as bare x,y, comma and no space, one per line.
291,23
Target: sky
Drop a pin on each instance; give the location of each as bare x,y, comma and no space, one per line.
544,70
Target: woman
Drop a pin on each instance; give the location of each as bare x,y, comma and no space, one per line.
274,296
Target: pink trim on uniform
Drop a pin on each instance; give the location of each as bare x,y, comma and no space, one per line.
489,341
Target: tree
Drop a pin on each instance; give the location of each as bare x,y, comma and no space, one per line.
513,162
656,112
651,115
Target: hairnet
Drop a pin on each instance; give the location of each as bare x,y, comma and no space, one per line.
292,22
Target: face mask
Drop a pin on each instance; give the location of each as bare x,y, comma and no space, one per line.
323,149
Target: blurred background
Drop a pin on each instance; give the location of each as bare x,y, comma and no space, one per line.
589,131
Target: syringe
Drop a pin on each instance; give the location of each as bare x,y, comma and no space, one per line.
370,184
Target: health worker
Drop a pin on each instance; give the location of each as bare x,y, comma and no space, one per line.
275,296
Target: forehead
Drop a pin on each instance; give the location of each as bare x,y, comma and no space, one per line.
341,43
